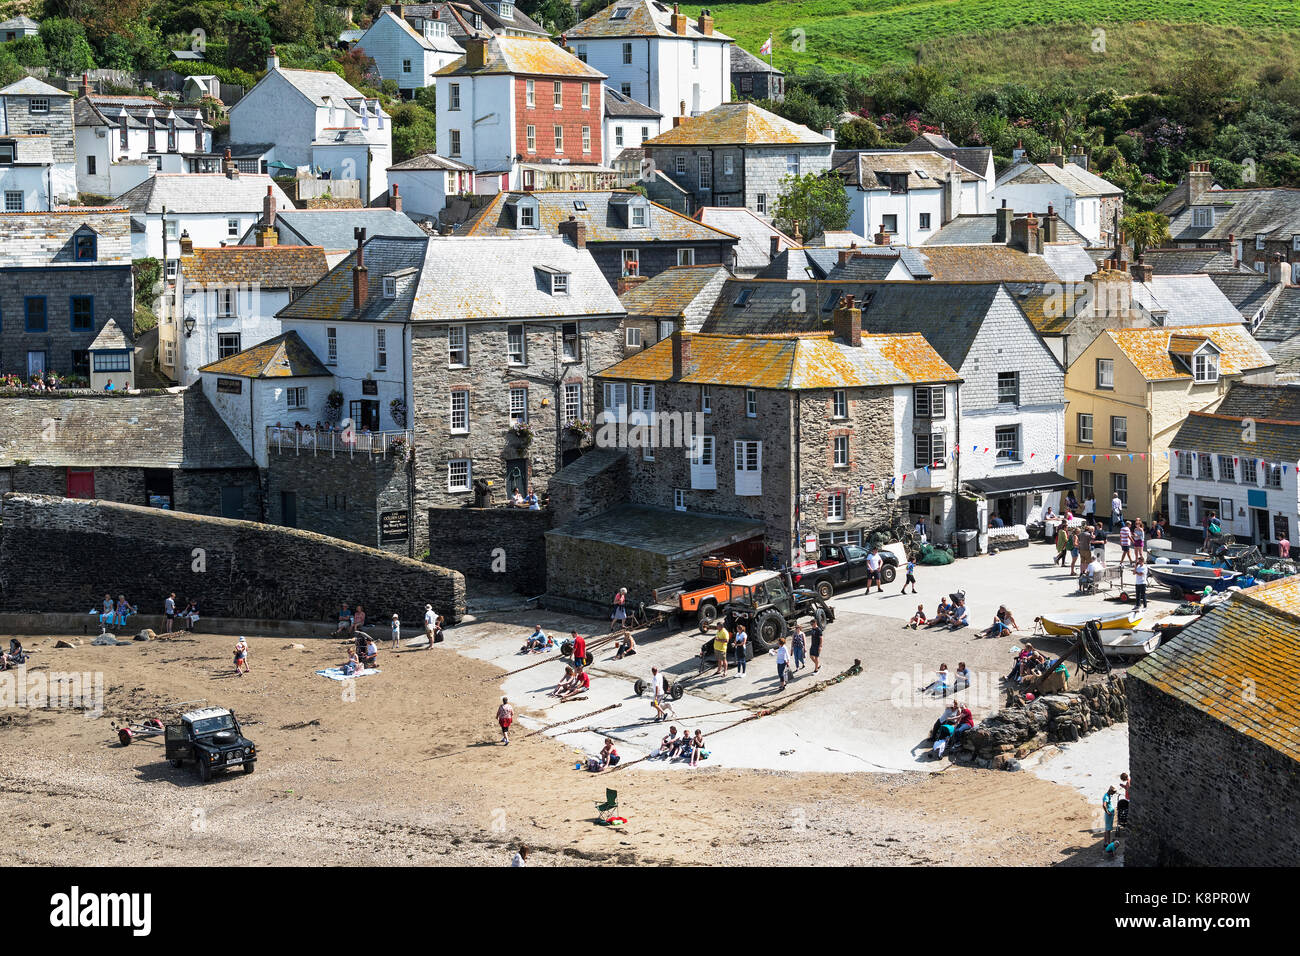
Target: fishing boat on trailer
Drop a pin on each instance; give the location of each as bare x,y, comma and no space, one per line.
1188,579
1064,625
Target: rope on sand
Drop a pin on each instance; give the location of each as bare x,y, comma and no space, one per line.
766,711
561,723
595,643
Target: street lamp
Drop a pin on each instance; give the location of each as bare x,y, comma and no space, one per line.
189,325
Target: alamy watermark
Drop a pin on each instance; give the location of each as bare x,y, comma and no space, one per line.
71,690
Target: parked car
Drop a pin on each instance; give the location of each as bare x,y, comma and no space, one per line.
211,738
702,596
839,567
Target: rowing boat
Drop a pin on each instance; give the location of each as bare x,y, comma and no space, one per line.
1065,624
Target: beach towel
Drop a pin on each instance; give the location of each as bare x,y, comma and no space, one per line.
336,673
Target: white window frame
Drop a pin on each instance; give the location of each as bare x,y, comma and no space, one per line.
453,468
1119,431
1106,381
558,132
760,204
751,403
453,96
614,406
686,257
331,345
572,401
530,133
1081,429
38,104
390,287
631,259
381,349
530,94
679,499
1205,367
706,399
518,404
702,455
558,95
457,346
633,340
839,404
840,451
224,348
627,52
586,96
639,218
1016,448
232,228
835,507
748,467
458,411
706,172
295,398
792,164
586,139
516,345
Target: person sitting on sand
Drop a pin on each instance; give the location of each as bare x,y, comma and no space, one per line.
943,613
1003,623
581,684
918,619
962,678
959,614
965,724
566,682
697,748
608,755
371,655
669,745
941,683
626,647
353,665
537,641
948,718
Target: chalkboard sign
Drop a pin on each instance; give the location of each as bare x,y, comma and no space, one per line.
231,386
394,526
369,387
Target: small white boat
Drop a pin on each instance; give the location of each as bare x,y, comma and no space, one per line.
1129,643
1063,625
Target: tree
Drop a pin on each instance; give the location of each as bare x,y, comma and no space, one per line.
293,21
1145,230
800,107
66,48
248,39
816,201
857,133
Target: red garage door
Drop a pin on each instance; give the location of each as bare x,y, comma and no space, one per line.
81,484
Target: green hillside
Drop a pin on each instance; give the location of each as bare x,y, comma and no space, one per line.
1030,41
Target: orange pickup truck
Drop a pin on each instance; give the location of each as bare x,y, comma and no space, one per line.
702,596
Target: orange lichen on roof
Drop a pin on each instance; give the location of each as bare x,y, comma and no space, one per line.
284,356
735,124
670,292
986,264
1047,310
526,56
556,206
1150,349
796,362
1236,665
275,267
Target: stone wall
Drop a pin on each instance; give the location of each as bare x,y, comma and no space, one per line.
468,539
1205,795
341,495
196,491
1020,729
654,259
111,288
589,486
62,554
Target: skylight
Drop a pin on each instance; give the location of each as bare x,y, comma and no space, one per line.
621,13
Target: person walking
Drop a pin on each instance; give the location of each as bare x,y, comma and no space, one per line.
1116,512
1062,544
874,562
1140,573
505,717
1121,806
782,659
798,645
241,657
1139,538
1074,553
1125,543
815,645
430,621
169,611
741,643
911,576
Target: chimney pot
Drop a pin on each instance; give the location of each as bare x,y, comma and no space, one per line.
187,244
882,238
847,321
272,60
395,200
360,276
845,255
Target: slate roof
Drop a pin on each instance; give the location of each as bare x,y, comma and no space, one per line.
644,18
1243,213
986,264
1071,176
523,56
974,228
617,105
925,169
432,161
42,239
809,361
1255,637
863,269
448,283
202,193
21,21
975,158
753,251
1248,291
31,86
1191,261
285,356
443,44
460,15
1149,349
320,85
669,294
270,267
176,429
737,124
1275,439
1069,260
604,221
742,61
1283,318
1186,300
331,229
110,337
1043,305
84,113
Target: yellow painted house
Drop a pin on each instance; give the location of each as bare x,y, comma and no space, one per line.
1128,393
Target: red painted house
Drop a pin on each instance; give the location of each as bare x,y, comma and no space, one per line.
525,113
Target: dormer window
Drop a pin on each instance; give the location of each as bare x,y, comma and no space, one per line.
1203,216
527,217
83,247
580,205
1205,366
640,217
505,11
559,283
390,287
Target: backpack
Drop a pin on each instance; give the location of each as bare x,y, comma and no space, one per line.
1214,527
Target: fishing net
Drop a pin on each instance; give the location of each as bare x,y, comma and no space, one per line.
933,555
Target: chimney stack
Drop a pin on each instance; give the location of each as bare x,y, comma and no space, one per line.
1236,253
268,206
475,52
232,171
85,84
847,321
1002,229
1018,154
1057,158
1279,272
187,244
394,200
678,21
397,11
677,121
1199,181
1025,235
829,133
272,61
683,364
846,255
1140,271
705,22
773,246
1079,157
360,277
882,238
1051,225
951,195
574,231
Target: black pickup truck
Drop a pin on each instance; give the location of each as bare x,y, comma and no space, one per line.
839,567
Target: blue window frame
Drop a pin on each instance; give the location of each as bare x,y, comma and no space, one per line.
35,313
84,247
82,310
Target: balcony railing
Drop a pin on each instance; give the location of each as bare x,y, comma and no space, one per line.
309,441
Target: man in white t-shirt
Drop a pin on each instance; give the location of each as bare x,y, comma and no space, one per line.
430,619
874,562
1116,512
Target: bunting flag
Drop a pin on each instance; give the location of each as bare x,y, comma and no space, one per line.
1094,458
986,450
1031,454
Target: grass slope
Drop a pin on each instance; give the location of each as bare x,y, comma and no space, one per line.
1032,41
